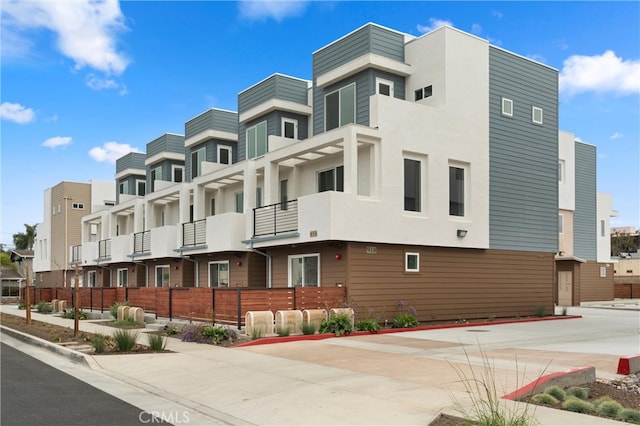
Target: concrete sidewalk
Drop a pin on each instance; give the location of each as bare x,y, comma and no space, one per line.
403,378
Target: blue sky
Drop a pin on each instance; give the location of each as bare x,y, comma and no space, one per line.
85,82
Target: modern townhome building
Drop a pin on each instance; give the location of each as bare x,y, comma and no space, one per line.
584,264
420,171
58,237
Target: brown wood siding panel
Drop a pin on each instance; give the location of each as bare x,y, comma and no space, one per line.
333,272
592,286
452,283
257,270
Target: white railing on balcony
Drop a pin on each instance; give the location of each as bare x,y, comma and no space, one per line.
275,219
141,242
194,233
76,254
104,249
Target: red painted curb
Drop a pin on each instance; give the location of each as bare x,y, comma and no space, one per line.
517,394
285,339
624,364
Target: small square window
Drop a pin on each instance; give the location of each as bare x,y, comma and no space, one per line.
411,262
536,115
428,91
507,107
419,94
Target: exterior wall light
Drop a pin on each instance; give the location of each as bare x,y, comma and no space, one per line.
461,233
338,256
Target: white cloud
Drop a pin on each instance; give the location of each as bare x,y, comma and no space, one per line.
110,151
616,135
57,141
600,73
85,29
433,24
476,29
16,113
276,9
97,83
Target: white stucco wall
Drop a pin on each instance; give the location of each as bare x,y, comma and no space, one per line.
567,182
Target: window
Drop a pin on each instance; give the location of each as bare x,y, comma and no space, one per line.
239,202
340,107
53,211
91,277
304,270
424,92
60,209
456,191
560,223
258,197
507,107
197,157
212,207
412,185
384,87
284,194
603,272
257,140
141,187
331,180
536,115
602,228
162,275
289,128
411,262
561,171
77,206
178,173
219,274
123,277
156,174
224,154
123,188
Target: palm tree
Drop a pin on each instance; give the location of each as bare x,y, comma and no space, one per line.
25,240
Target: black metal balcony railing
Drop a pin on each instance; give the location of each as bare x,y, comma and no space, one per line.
76,254
104,249
194,233
141,242
275,219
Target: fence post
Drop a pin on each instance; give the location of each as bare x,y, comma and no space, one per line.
239,309
102,300
170,304
91,299
213,305
126,293
295,298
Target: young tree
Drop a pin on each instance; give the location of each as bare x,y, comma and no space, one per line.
25,240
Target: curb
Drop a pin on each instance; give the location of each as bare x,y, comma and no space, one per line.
74,356
286,339
629,364
573,377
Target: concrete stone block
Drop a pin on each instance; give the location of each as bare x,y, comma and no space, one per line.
291,319
123,312
136,314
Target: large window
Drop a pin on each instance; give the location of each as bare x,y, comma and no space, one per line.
141,187
197,157
219,274
304,270
412,185
162,275
156,174
257,140
239,196
224,154
123,188
123,277
91,278
331,180
340,107
456,191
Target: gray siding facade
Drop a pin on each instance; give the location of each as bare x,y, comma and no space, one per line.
585,222
523,156
167,143
368,39
216,119
130,161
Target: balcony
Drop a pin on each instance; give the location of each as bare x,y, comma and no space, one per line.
142,242
223,232
104,249
194,233
275,219
76,254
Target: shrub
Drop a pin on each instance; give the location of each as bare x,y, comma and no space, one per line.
564,310
369,325
337,324
113,309
601,400
170,330
557,392
544,399
157,343
215,334
99,342
308,328
609,408
126,323
540,310
629,415
578,392
125,340
44,307
257,333
405,320
577,405
71,314
193,333
283,331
